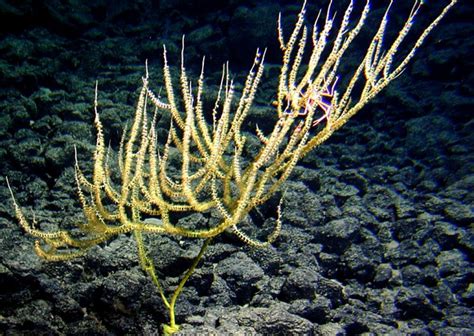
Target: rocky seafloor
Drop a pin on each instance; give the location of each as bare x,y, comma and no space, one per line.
377,233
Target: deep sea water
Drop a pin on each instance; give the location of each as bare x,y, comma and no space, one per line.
377,222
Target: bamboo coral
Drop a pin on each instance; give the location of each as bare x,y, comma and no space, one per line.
314,99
